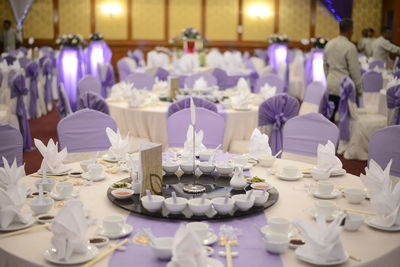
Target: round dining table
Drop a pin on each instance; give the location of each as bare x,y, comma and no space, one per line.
150,122
366,247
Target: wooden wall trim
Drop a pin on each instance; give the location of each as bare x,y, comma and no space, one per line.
313,18
92,16
56,19
276,17
129,8
166,20
203,18
240,21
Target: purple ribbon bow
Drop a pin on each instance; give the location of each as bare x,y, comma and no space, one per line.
347,92
32,72
393,100
327,107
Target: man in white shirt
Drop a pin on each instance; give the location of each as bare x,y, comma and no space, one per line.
382,47
9,37
341,60
364,44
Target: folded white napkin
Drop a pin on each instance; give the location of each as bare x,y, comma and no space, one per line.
121,91
200,84
326,158
69,229
187,250
242,100
119,145
138,98
52,159
155,59
242,86
215,59
384,198
11,202
233,62
392,82
188,62
9,175
259,145
160,87
267,91
322,240
188,145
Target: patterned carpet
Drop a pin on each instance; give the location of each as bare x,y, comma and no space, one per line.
45,128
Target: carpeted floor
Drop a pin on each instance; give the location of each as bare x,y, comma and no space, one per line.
46,127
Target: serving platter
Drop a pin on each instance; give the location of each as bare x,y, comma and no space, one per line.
216,186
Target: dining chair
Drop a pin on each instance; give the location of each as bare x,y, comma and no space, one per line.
185,103
47,80
212,124
32,78
85,130
125,66
161,74
393,105
372,83
89,83
313,97
272,80
107,78
396,74
224,81
141,80
385,146
208,77
10,59
93,101
377,63
302,135
23,61
63,105
11,144
272,116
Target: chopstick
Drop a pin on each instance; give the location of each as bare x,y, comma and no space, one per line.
354,258
37,227
105,253
51,176
359,211
229,262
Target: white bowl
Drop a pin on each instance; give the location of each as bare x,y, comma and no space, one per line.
221,207
162,248
47,184
205,155
41,208
353,222
153,205
318,174
122,193
223,169
170,167
266,161
85,163
260,196
276,243
197,207
206,167
99,241
187,167
178,207
242,202
354,195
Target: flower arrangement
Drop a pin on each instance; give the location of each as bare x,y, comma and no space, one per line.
97,36
190,33
73,40
319,42
278,38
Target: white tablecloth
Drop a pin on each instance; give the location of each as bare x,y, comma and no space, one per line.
375,248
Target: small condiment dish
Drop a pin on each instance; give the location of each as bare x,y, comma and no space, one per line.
162,247
187,167
153,205
260,196
276,243
206,167
354,195
176,207
43,207
199,208
223,168
223,207
242,202
45,218
99,241
170,167
122,193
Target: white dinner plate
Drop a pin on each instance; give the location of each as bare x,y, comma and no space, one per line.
86,176
63,172
54,195
76,258
370,223
299,255
334,194
126,230
211,262
18,226
281,176
210,239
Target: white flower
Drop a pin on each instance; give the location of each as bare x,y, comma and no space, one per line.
69,36
64,36
322,41
74,41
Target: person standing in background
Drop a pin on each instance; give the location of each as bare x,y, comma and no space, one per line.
364,44
382,47
9,37
341,60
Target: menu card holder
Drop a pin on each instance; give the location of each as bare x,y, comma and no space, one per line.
173,87
151,163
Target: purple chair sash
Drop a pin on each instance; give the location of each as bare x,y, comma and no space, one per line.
276,111
93,101
18,90
47,71
62,103
397,74
24,61
347,92
372,81
393,100
327,107
10,59
32,72
162,74
11,144
185,103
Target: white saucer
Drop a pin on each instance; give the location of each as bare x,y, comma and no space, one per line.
338,172
211,262
76,258
245,167
54,195
18,226
281,176
86,176
370,223
108,158
334,194
298,253
210,239
126,230
335,214
60,173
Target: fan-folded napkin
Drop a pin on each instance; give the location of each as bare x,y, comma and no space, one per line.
11,202
9,175
326,157
160,86
200,84
267,91
119,145
259,145
187,63
121,91
52,159
188,145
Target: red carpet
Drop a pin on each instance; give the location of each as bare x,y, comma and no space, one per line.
46,128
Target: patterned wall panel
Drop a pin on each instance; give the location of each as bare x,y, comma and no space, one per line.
257,28
326,24
112,26
366,14
6,13
222,19
182,14
294,18
39,21
74,16
148,19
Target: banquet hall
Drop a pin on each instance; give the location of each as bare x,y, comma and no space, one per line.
202,133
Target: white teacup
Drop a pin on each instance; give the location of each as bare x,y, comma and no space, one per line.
325,187
290,171
95,170
353,222
64,189
199,228
279,225
113,224
325,208
266,161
